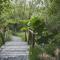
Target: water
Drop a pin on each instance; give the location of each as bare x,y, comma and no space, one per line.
14,50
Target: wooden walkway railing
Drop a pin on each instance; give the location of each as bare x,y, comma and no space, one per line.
31,38
31,41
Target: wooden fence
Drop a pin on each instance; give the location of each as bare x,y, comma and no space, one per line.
31,38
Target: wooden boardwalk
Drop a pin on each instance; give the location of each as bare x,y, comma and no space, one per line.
14,50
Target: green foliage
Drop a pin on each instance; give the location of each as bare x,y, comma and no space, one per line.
52,17
50,49
37,24
34,53
45,35
57,40
46,24
24,29
24,21
13,21
52,22
5,9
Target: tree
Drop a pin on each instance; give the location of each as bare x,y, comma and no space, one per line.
38,26
52,13
4,10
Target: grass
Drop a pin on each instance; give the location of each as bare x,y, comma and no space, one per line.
34,53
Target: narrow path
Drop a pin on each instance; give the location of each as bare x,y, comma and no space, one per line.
14,50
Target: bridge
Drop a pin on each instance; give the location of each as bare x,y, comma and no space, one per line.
15,49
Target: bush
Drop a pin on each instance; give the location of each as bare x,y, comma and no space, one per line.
50,49
37,24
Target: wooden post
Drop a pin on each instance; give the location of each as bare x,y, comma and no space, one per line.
2,36
33,40
57,54
29,37
58,57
